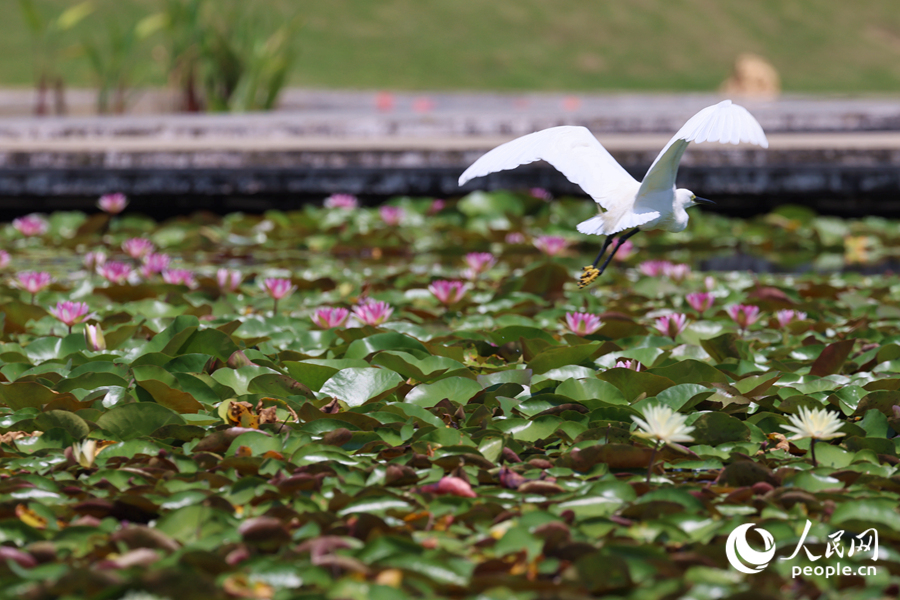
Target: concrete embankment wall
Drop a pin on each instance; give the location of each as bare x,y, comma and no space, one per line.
838,155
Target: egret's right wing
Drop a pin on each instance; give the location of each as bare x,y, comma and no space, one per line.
574,151
724,122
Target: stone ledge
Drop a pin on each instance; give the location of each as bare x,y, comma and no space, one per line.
344,113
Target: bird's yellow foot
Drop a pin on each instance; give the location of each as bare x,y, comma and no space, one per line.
588,275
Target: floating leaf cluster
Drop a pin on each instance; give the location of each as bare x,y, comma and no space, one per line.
345,402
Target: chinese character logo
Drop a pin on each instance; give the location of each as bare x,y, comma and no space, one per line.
868,542
740,554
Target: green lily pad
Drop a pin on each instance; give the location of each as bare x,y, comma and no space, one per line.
130,421
383,341
27,394
420,369
633,384
553,358
162,386
590,389
356,386
691,371
211,342
239,379
717,428
455,389
70,422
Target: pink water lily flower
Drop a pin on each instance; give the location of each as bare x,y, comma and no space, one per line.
328,317
654,268
551,245
515,238
448,292
179,277
137,248
671,325
709,282
437,205
4,259
700,301
33,281
94,259
154,263
583,324
787,315
541,194
278,289
115,272
228,279
71,313
628,364
742,314
372,312
31,225
112,203
676,272
344,201
479,262
391,215
626,249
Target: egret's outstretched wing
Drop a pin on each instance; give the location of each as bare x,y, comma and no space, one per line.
574,151
724,122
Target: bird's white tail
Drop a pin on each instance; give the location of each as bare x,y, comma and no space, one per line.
614,221
593,226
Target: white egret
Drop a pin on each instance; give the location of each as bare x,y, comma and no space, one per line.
653,203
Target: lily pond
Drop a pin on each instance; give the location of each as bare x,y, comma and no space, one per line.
417,401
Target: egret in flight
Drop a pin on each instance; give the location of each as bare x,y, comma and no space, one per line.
626,204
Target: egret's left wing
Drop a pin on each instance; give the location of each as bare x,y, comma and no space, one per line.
723,122
573,150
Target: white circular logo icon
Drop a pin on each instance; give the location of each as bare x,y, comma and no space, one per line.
739,551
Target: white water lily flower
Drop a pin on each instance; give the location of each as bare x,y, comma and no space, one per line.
663,424
818,424
85,453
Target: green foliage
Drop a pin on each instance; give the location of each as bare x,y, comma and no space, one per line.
223,55
213,450
113,59
226,56
529,45
49,30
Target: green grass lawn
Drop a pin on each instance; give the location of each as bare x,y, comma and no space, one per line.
817,46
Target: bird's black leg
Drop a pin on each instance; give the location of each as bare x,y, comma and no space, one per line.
606,244
615,249
590,272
